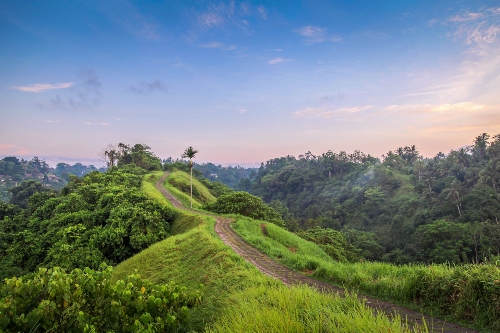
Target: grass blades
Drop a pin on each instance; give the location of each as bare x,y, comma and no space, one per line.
300,309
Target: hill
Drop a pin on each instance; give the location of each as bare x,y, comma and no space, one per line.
237,297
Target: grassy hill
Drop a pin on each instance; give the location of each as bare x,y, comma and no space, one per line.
178,183
236,296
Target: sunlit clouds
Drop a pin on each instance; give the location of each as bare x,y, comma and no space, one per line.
41,87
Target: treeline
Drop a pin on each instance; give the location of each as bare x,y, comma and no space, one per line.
235,177
401,208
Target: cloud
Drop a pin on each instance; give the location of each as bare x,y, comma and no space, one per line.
262,11
211,19
51,121
278,60
218,45
40,87
85,95
324,112
331,97
314,34
144,87
466,17
242,110
126,15
218,15
477,27
89,123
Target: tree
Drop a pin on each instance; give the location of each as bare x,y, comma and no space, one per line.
190,152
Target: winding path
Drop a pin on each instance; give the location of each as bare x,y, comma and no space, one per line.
289,277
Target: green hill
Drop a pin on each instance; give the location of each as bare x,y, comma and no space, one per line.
178,183
236,296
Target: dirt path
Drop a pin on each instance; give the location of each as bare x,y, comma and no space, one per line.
289,277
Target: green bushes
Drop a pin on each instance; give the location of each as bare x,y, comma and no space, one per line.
332,242
245,204
102,217
87,301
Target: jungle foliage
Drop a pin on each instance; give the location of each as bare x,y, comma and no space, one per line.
101,217
87,301
401,208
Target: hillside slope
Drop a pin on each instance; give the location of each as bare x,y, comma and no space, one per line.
237,297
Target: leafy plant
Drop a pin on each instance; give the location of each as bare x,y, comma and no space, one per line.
87,301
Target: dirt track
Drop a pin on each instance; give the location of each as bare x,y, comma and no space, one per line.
289,277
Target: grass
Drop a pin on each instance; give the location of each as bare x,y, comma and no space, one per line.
300,309
148,186
468,293
236,296
178,182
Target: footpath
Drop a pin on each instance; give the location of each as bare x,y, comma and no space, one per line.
290,277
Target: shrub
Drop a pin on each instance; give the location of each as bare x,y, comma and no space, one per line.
245,204
87,301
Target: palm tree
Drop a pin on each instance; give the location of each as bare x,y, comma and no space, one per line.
190,152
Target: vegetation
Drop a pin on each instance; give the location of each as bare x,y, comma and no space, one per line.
300,309
102,217
190,153
182,182
469,292
394,209
247,205
234,291
87,301
14,171
235,177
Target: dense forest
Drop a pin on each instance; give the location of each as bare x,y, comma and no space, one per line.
401,208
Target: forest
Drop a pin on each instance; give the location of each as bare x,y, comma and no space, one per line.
401,208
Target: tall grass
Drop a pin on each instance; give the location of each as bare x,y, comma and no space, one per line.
300,309
468,293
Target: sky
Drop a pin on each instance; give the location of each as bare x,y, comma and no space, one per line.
246,81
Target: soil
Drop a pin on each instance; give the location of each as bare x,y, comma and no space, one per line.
289,277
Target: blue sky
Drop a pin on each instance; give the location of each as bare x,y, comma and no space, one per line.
244,82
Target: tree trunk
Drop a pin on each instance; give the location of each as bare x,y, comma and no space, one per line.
191,169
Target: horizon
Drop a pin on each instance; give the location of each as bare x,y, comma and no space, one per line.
245,81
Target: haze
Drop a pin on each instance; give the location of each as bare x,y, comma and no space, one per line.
243,82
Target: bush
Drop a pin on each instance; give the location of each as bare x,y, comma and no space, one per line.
87,301
245,204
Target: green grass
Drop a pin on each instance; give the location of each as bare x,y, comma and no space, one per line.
300,309
148,186
236,296
468,293
178,182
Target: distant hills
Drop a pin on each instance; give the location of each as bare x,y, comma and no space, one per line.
14,170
